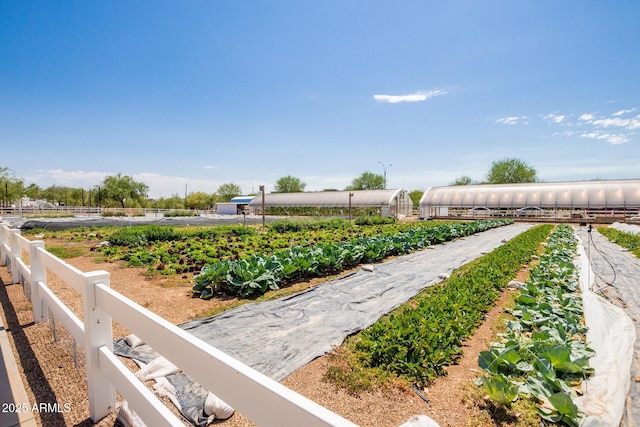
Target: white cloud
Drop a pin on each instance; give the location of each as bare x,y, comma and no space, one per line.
414,97
564,133
633,123
621,112
511,120
76,179
613,128
614,121
587,117
608,137
555,118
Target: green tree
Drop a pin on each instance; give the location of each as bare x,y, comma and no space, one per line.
79,197
173,202
511,170
289,184
57,194
33,191
415,197
367,181
123,188
228,191
11,188
462,180
201,200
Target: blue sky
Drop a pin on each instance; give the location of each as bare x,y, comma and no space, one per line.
193,94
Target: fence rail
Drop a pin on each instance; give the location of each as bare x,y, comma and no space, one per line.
259,398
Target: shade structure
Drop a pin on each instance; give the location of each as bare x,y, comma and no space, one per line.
602,194
389,202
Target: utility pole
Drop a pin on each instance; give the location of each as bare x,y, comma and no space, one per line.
263,219
350,196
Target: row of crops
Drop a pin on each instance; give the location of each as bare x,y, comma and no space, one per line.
627,240
543,354
239,260
256,274
418,340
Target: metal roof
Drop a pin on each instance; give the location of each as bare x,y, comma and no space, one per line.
332,198
572,194
242,199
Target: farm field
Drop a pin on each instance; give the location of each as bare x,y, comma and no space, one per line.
154,285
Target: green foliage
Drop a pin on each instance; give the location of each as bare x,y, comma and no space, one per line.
367,181
11,188
418,340
628,240
415,197
65,252
113,213
200,200
180,213
321,258
295,225
374,220
544,354
511,170
228,191
500,389
141,235
462,180
289,184
124,189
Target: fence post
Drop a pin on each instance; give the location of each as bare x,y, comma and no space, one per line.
4,232
38,274
97,333
16,253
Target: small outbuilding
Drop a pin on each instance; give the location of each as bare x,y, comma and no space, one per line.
572,199
235,206
392,203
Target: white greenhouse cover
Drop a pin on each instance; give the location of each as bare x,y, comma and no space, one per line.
334,198
612,335
618,194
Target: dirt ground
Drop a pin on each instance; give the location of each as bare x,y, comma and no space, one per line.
51,373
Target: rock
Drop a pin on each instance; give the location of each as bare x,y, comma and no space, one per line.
420,421
514,284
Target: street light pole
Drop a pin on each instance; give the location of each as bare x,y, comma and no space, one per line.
384,168
263,213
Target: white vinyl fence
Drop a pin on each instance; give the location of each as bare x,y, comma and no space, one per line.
257,397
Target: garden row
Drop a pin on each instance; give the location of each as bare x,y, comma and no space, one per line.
543,354
256,273
418,340
170,250
630,241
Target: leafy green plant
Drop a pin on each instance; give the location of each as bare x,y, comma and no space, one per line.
141,235
65,252
318,259
543,353
374,220
420,339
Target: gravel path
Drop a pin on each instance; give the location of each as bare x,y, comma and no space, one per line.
617,274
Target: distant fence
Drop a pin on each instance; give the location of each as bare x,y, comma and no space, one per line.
90,211
257,397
